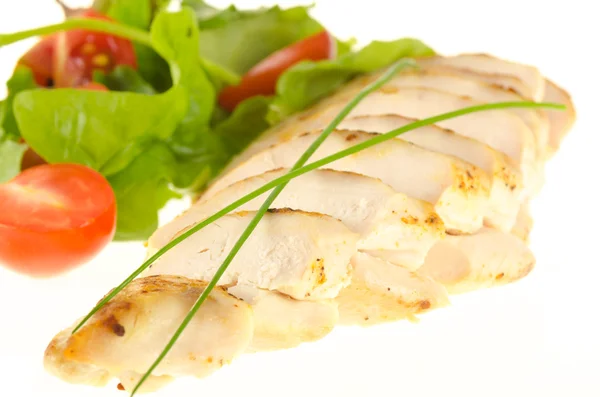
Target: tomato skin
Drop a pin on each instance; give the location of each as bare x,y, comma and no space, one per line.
78,53
262,78
41,236
39,60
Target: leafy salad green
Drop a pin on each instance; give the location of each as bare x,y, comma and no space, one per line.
159,132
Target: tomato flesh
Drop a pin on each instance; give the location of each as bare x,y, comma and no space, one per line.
262,78
54,217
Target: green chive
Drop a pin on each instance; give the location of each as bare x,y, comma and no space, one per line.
95,25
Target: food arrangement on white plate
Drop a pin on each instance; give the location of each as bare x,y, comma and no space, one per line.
333,186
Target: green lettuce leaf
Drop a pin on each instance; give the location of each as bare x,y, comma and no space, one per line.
22,79
103,130
245,124
124,78
220,76
239,39
305,83
141,190
11,154
136,13
200,153
152,68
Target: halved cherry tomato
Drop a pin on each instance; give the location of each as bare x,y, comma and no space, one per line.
262,78
68,59
78,53
39,60
54,217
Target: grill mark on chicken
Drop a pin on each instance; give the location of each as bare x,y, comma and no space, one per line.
466,182
433,219
113,324
388,90
351,137
293,211
318,267
425,305
410,220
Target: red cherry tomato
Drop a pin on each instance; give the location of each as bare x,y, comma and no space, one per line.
54,217
262,78
39,60
78,53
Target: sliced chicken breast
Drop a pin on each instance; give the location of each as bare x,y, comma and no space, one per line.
124,338
499,129
382,292
384,219
507,183
536,120
451,81
304,255
506,82
524,223
458,191
560,121
485,259
496,69
281,322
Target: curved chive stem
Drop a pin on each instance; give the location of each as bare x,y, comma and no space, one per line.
96,25
307,168
391,72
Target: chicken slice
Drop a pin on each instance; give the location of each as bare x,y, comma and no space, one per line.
382,292
304,255
124,338
384,219
68,370
452,81
532,82
560,121
485,259
458,191
536,120
499,129
281,322
507,184
524,223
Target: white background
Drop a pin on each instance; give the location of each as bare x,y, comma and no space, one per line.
539,337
